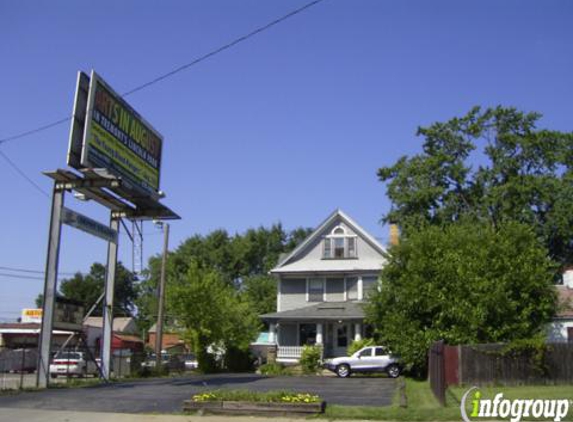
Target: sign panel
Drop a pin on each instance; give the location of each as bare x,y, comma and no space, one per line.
31,315
88,225
68,315
115,136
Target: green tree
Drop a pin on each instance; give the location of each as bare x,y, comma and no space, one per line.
241,261
467,282
87,288
260,291
524,174
211,313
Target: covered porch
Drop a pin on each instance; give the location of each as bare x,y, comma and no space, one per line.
332,326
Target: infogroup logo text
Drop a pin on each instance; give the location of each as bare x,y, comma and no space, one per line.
546,410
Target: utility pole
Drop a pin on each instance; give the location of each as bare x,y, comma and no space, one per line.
159,325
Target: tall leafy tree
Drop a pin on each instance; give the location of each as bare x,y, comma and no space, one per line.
87,288
466,283
241,261
494,164
212,314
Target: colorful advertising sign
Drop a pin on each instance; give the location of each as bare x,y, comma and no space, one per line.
31,315
117,138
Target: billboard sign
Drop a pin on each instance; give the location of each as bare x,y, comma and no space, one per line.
88,225
115,137
68,315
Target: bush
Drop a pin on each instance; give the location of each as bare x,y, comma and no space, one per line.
310,359
273,369
356,345
238,360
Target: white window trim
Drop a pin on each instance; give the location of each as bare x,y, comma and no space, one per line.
345,236
279,297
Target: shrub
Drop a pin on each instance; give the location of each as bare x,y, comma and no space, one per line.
356,345
238,360
273,369
310,359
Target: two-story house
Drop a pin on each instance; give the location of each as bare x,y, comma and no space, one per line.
322,285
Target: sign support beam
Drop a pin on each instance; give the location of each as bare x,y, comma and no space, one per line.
108,300
50,285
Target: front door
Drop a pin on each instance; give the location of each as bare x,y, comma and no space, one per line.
341,338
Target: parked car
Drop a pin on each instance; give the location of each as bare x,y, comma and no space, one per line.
367,359
171,362
72,364
190,361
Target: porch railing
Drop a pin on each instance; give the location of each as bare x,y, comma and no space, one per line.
290,352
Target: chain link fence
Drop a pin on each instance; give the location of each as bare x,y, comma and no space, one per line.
18,367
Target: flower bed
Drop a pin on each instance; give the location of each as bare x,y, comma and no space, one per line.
247,402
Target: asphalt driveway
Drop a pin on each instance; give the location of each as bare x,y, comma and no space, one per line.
166,395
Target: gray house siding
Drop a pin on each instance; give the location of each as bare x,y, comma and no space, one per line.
292,294
335,289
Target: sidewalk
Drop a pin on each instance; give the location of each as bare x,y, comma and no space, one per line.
41,415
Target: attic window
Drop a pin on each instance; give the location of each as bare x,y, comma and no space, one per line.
339,245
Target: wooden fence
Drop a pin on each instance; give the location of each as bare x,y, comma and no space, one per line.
488,364
491,364
436,371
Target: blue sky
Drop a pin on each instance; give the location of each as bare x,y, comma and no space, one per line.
286,126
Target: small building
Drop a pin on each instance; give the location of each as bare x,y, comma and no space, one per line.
171,341
322,285
124,334
18,335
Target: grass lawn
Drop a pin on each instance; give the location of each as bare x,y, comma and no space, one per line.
422,406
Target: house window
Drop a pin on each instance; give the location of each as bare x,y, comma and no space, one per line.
327,248
315,290
351,247
339,245
307,334
352,288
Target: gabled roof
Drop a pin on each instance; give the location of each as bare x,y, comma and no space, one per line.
120,324
332,265
320,311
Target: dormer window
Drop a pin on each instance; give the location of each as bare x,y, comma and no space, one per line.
339,245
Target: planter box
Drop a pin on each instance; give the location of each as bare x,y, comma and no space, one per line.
254,408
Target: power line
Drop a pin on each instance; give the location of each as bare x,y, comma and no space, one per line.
178,69
26,277
223,48
21,173
38,129
26,270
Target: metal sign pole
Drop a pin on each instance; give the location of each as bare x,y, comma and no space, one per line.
108,300
50,287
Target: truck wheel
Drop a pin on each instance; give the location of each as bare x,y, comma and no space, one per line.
393,371
343,370
54,376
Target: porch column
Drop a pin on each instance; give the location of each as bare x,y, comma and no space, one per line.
272,332
319,334
357,331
